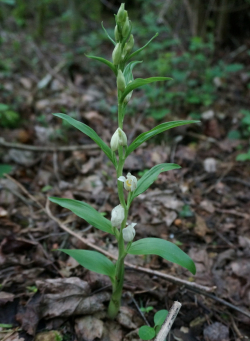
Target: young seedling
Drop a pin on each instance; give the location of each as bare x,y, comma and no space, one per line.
128,187
148,333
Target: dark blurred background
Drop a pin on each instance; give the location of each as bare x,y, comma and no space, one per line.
203,45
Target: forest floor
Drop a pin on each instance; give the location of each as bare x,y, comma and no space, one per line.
204,208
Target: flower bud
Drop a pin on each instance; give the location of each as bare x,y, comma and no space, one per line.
129,233
121,83
121,14
117,216
129,44
119,138
125,28
117,54
117,34
130,183
128,97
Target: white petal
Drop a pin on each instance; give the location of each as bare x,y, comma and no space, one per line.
122,178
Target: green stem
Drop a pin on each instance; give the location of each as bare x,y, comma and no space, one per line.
117,283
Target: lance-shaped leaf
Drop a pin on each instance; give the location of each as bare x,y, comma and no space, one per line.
104,61
156,130
142,48
86,212
163,248
150,176
139,82
93,261
128,71
84,128
104,29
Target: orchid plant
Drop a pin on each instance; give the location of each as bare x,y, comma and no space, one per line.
128,187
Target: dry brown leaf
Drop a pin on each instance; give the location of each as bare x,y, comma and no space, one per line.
200,228
88,328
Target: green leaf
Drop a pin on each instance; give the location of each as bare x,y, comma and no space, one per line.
243,156
90,133
160,317
128,71
104,29
150,176
163,248
93,261
142,48
146,333
157,329
86,212
156,130
9,2
5,169
104,61
139,82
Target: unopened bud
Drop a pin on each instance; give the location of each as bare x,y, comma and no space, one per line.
117,34
119,138
128,97
125,28
117,216
121,14
117,54
121,83
129,233
129,44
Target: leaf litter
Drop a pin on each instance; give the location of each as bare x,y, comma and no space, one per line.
206,215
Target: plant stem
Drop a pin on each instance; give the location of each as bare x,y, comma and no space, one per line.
115,300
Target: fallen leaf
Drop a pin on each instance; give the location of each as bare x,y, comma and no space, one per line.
216,332
200,228
52,335
6,297
88,328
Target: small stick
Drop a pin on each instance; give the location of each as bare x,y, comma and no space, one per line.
50,149
165,329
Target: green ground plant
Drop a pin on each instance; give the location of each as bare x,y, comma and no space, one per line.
245,133
8,117
147,332
128,187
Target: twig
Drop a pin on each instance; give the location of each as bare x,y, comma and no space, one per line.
110,6
165,329
170,278
233,179
189,285
220,300
233,212
50,149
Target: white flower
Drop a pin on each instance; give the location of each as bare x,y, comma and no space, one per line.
130,183
129,232
117,215
119,138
